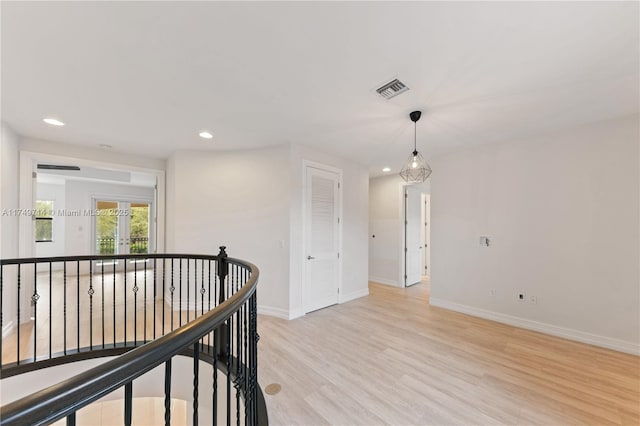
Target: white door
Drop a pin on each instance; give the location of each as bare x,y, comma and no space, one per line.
413,248
321,238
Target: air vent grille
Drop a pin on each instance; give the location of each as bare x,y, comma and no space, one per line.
392,88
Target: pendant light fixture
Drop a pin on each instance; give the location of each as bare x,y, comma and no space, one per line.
416,169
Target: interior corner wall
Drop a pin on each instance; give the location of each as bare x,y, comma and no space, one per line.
9,179
239,199
355,197
562,213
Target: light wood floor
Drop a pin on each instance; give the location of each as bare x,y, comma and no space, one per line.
390,358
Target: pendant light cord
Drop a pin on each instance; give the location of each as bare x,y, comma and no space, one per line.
415,136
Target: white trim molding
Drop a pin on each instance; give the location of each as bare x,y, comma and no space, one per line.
554,330
344,298
279,312
385,281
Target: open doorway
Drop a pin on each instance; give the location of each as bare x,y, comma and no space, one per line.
417,235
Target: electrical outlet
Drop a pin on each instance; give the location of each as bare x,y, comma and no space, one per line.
533,299
522,297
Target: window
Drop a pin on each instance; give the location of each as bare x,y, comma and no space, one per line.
44,221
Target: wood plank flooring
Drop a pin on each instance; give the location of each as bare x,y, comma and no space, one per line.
390,358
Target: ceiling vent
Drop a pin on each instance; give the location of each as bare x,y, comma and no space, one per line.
392,88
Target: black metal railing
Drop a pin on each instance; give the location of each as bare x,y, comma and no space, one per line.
107,245
148,309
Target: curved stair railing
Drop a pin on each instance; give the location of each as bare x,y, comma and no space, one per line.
144,309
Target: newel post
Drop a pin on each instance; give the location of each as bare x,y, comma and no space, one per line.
223,335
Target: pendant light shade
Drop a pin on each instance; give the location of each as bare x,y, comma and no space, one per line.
416,169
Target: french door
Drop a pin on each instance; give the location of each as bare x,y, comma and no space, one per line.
122,227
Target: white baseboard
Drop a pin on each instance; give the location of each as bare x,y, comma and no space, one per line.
385,281
273,312
297,313
347,297
6,329
554,330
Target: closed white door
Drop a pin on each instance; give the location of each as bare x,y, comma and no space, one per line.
321,238
413,247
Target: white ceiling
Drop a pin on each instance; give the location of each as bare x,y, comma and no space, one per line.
147,77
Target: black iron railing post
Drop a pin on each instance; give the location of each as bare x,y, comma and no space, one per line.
223,335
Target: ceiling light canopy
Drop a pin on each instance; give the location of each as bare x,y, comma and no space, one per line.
416,169
53,121
205,135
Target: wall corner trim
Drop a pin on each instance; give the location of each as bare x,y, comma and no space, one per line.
385,281
353,295
554,330
279,312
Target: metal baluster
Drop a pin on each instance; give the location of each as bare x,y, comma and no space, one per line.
18,323
114,302
238,363
50,308
91,304
124,291
71,419
34,303
180,293
163,293
215,377
247,395
167,392
102,290
128,403
155,294
78,304
135,303
195,284
64,310
202,290
145,300
209,303
188,281
172,289
196,372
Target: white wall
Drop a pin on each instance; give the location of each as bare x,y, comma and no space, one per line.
251,201
8,222
55,193
355,190
238,199
563,214
79,196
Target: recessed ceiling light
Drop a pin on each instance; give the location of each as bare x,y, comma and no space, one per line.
206,135
386,169
53,121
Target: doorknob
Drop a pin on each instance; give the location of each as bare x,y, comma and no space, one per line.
310,257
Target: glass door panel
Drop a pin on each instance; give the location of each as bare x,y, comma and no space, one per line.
139,228
107,227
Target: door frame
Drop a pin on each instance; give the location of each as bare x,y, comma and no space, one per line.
402,265
28,165
320,166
